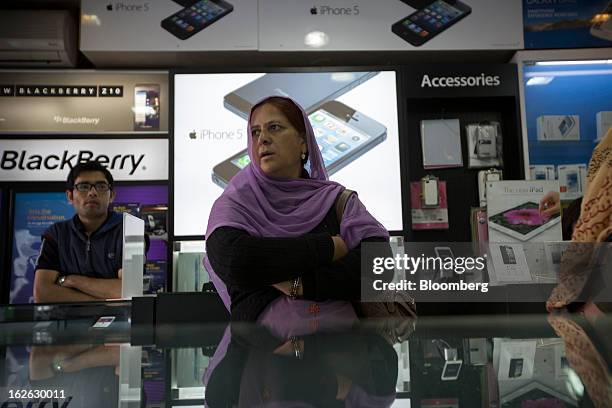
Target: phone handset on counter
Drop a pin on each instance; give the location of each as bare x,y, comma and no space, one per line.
430,197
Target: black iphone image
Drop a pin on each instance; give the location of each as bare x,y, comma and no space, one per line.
426,23
186,3
146,107
343,134
196,17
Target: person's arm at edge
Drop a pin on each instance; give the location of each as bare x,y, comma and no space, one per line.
99,288
47,291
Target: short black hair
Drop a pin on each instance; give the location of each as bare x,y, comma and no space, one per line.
87,166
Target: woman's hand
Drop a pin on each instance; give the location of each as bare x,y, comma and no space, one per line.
340,248
550,204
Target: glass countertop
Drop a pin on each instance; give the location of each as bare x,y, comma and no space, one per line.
320,360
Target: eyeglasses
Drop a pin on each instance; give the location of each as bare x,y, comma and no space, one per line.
100,186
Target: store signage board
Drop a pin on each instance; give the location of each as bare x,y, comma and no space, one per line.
83,102
212,25
389,25
461,80
51,160
567,24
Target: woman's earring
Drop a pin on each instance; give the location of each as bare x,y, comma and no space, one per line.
303,156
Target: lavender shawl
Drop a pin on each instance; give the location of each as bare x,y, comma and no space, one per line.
265,206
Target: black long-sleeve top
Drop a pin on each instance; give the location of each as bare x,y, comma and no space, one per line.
250,265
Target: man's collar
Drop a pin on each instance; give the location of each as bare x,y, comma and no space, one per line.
81,227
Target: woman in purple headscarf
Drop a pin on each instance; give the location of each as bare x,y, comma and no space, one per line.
273,235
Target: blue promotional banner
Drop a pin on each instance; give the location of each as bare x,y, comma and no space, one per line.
34,213
567,23
568,109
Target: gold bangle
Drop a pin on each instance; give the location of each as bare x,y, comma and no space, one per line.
296,347
294,288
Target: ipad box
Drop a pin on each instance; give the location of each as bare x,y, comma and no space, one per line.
513,211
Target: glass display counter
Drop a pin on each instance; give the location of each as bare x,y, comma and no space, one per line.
321,360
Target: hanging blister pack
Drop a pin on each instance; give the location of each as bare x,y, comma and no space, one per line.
484,144
485,176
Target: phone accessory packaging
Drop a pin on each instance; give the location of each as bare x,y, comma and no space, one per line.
441,142
508,264
485,176
558,127
604,123
515,359
430,197
484,144
479,228
572,180
542,172
424,217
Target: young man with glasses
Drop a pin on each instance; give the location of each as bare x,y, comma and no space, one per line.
80,259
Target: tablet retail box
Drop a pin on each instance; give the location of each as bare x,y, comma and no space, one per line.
513,215
558,127
518,232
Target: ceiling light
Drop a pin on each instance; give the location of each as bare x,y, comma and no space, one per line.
583,62
539,80
316,39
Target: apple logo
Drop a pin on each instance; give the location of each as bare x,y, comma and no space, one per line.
313,11
109,7
192,134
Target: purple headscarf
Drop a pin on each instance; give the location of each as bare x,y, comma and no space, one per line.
266,206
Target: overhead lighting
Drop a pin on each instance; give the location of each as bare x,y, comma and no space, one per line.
577,72
316,39
600,18
343,76
90,19
583,62
539,80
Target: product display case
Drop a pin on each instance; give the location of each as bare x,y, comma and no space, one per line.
458,119
566,108
489,361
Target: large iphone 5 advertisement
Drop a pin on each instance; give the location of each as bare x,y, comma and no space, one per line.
167,25
353,114
382,25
